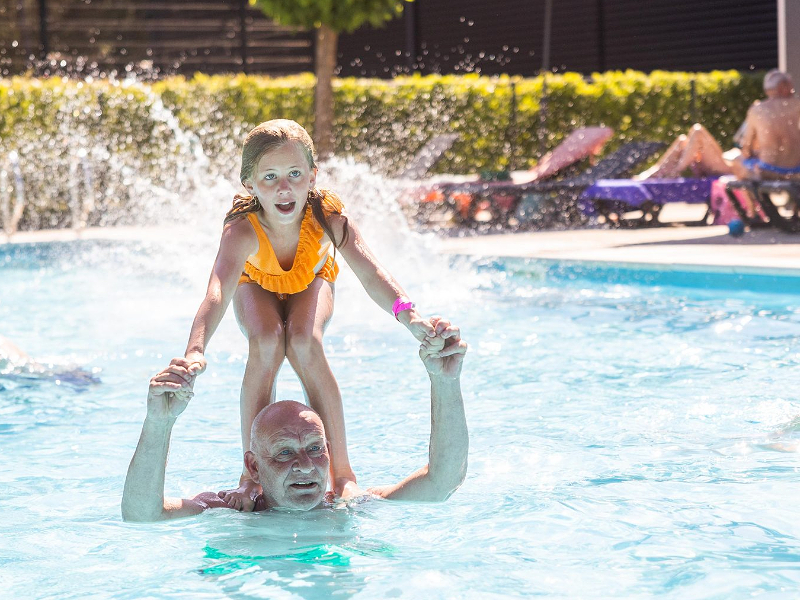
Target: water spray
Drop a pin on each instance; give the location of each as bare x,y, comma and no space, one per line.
12,215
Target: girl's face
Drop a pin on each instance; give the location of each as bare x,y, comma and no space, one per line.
281,182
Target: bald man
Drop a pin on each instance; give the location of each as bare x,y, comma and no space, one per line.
771,139
289,453
769,142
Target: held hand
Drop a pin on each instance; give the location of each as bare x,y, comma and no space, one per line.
420,328
197,362
443,354
170,391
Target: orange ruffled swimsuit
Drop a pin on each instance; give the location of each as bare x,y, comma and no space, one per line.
264,269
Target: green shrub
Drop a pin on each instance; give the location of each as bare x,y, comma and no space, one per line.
383,122
387,121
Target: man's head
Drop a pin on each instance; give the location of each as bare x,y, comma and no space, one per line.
289,455
778,84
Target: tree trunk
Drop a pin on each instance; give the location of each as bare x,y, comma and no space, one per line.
325,54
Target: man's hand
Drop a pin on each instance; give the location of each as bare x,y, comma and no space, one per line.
443,354
170,391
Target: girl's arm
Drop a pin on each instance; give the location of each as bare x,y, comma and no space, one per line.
238,242
377,281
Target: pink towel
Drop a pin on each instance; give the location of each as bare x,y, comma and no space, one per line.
724,211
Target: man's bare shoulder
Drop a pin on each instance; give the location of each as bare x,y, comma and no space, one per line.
794,104
773,106
756,109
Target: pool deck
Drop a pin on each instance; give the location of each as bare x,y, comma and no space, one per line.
673,247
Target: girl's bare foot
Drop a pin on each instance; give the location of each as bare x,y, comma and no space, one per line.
348,489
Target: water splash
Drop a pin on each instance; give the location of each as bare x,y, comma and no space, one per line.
103,163
11,210
157,172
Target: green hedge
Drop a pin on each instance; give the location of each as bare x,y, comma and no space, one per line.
383,122
388,120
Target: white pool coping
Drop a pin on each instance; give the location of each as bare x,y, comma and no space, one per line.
666,248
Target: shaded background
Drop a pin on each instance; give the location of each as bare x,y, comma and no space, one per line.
432,36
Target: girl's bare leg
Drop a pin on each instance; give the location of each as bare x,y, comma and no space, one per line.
260,317
307,315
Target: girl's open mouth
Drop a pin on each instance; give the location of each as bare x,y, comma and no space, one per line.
285,208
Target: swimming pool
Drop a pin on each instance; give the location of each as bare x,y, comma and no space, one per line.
629,438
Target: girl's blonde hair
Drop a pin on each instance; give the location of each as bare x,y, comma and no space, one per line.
267,137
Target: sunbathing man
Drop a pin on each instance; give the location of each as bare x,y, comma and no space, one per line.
289,454
769,141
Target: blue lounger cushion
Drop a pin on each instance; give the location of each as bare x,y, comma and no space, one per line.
635,193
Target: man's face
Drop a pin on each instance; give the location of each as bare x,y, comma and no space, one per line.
292,461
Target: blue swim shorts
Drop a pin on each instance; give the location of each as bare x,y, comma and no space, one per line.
752,163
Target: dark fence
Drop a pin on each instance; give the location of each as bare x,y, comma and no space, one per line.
456,36
432,36
173,36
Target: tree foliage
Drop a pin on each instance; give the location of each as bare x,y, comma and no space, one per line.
339,15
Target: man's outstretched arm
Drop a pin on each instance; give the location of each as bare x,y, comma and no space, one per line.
443,356
143,496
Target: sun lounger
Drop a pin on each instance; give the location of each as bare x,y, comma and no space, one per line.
502,199
779,201
612,198
784,213
428,156
578,145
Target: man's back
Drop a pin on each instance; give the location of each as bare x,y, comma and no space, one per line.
775,127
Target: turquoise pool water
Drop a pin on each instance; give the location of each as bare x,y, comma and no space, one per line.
632,436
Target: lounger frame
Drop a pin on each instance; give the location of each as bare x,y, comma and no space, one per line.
761,192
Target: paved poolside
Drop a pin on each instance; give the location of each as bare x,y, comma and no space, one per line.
671,247
675,247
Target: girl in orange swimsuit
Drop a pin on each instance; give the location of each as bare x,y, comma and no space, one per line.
274,263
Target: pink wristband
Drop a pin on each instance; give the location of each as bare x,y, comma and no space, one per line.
400,305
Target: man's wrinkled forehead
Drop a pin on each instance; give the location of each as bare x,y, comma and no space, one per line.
306,426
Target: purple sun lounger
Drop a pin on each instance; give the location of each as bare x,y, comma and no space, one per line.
614,197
